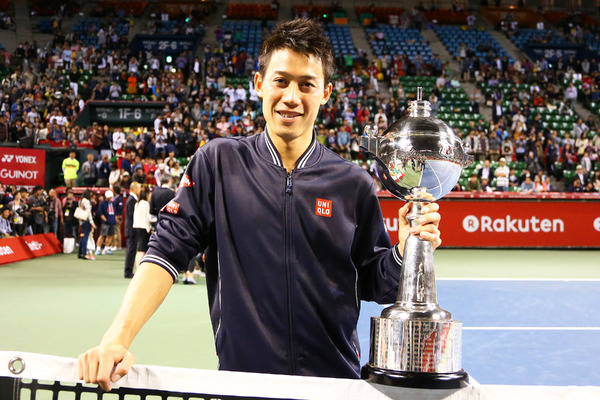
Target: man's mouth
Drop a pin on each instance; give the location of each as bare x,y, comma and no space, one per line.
289,114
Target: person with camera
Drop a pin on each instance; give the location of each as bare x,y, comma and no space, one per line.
37,206
69,206
20,212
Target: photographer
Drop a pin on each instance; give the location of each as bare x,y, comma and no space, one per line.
70,222
37,206
20,212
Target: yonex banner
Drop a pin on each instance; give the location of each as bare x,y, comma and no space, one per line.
512,222
22,167
25,247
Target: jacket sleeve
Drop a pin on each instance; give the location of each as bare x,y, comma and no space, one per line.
377,261
184,226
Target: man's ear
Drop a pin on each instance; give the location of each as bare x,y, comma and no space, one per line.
258,82
327,93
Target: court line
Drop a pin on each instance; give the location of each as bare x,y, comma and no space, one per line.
531,328
523,279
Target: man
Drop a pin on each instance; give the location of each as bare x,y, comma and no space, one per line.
5,228
90,171
285,301
134,192
103,171
37,206
70,166
502,173
106,211
54,212
118,204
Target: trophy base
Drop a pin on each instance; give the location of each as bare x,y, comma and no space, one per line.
417,380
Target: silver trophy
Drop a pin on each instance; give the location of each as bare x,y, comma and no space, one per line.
415,342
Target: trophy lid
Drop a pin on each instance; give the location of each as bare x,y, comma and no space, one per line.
419,157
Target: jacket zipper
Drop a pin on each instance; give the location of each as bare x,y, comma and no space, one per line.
293,367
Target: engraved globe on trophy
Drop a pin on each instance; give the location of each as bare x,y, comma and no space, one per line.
415,342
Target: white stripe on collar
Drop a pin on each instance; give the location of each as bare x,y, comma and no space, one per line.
302,162
272,150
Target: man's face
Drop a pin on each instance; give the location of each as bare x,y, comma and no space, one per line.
292,90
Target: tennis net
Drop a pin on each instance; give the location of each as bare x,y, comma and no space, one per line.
29,376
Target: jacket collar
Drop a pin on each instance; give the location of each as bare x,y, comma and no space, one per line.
310,157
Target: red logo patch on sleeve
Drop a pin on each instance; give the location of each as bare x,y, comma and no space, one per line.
186,182
172,207
324,208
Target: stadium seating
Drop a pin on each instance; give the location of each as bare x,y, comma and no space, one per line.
340,38
453,36
398,41
247,35
251,11
87,29
529,35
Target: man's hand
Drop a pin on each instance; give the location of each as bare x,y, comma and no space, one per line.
426,230
105,364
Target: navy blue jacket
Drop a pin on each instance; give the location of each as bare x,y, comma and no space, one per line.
289,256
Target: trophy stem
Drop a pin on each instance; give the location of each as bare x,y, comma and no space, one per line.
417,295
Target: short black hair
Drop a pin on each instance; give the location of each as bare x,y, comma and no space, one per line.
301,35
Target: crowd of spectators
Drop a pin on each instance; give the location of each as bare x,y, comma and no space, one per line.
211,94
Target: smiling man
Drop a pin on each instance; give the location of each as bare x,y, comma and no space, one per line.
293,235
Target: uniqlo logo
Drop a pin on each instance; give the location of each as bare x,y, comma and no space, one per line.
186,182
323,208
172,208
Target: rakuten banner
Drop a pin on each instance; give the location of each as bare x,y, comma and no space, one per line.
22,167
511,223
25,247
13,250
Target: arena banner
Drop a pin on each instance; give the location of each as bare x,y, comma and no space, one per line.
119,113
511,223
167,44
44,244
13,250
22,167
552,52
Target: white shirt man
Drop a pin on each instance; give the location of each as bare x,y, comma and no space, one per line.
118,139
502,173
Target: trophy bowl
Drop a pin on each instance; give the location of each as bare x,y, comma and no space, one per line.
415,342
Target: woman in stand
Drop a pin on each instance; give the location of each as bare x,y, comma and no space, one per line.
142,225
86,224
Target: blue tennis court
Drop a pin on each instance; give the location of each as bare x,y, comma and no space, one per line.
521,331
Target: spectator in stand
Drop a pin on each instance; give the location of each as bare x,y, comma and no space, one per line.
576,186
582,174
107,214
502,173
90,171
527,186
139,176
70,166
86,225
473,185
486,171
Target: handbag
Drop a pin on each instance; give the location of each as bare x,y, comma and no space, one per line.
68,245
81,213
